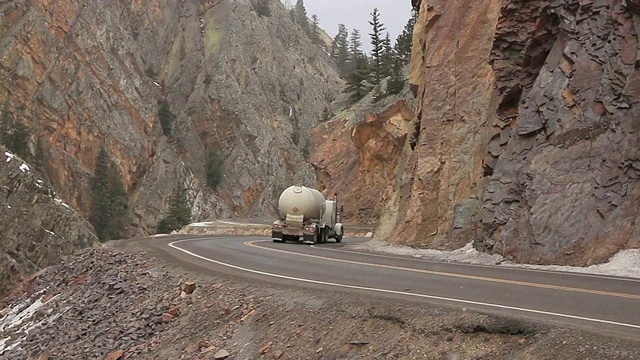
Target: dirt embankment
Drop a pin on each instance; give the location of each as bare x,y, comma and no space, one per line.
130,300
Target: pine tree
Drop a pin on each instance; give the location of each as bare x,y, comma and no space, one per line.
404,42
5,120
179,213
18,140
355,42
377,44
119,205
388,57
340,50
396,81
358,80
301,16
214,169
326,114
100,203
109,200
166,117
40,157
262,8
315,30
355,49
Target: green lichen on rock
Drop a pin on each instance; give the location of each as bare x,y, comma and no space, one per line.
212,38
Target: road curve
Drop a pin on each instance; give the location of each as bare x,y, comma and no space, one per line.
594,302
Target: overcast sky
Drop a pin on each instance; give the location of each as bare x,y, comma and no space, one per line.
394,14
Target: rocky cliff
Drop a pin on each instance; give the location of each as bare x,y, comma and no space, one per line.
82,74
526,130
356,153
36,226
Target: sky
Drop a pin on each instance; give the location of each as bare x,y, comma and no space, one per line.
394,14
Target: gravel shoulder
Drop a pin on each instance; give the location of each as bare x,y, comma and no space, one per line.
132,300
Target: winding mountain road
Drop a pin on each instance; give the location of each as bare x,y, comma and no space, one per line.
602,303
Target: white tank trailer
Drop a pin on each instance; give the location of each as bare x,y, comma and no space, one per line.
305,215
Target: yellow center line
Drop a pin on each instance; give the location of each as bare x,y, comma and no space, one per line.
440,273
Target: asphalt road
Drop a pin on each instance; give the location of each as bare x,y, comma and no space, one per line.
602,303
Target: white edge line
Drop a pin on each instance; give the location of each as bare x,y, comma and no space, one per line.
500,266
470,302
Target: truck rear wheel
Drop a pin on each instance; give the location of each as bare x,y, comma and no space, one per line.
339,238
322,235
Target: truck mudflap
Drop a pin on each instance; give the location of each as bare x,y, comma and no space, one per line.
276,235
310,234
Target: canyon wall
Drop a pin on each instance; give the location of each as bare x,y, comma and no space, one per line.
526,138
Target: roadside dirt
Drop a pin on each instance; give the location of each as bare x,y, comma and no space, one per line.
129,300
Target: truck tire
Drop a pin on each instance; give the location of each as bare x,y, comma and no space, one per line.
322,235
339,238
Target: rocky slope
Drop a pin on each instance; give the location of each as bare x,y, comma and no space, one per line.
82,74
36,226
526,131
356,153
129,300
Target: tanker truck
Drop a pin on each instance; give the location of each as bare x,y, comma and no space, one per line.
305,215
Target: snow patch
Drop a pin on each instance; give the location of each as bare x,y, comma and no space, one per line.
19,321
202,224
60,202
8,155
50,232
625,263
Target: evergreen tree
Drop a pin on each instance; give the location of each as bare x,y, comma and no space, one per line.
404,42
315,30
262,8
166,117
5,121
396,81
340,50
18,140
358,80
109,201
355,49
179,213
301,16
388,57
119,205
355,43
100,204
377,44
14,134
326,114
214,169
40,157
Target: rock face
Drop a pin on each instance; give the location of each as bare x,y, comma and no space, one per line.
439,190
565,186
36,226
356,154
250,88
528,130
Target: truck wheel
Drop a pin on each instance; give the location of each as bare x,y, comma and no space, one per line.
339,238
